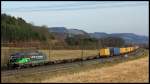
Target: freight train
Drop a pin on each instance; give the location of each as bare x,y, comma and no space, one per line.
114,51
29,59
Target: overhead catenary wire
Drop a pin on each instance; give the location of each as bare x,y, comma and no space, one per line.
72,7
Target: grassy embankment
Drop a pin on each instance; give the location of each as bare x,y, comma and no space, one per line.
117,71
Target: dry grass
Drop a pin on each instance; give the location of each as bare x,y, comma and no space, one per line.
132,71
67,54
52,55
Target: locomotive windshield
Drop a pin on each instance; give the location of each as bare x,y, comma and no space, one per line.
14,59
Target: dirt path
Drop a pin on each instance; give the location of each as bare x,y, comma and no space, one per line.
132,71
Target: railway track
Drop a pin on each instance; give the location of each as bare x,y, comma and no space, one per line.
58,67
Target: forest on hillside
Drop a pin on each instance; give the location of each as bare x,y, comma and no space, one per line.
17,30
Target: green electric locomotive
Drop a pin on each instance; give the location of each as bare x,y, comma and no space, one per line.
26,59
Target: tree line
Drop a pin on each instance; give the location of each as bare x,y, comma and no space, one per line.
99,43
18,30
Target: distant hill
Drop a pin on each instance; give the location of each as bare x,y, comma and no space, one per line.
63,32
76,31
58,29
98,34
128,37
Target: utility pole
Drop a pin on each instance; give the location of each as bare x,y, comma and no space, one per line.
49,48
81,51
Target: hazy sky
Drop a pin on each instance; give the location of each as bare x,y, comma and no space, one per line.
90,16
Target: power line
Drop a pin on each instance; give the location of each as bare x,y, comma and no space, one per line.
56,6
74,7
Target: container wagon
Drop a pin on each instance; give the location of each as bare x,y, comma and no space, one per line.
116,51
123,50
128,50
105,52
131,48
